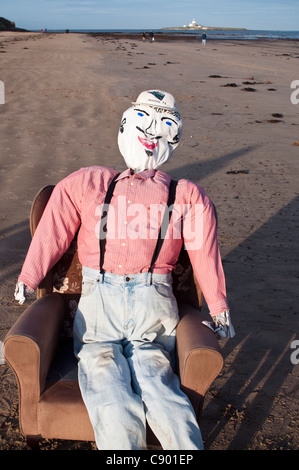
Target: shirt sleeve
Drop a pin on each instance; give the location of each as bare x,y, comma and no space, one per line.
56,229
201,242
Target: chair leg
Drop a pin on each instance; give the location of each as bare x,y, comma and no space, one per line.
33,442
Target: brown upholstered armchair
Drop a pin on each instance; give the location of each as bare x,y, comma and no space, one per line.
39,348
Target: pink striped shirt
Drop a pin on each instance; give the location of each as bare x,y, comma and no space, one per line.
132,228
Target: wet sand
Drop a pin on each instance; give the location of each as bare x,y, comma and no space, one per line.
64,97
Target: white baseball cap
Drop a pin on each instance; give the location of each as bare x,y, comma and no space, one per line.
157,98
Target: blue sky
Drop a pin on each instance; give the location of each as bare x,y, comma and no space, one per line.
151,14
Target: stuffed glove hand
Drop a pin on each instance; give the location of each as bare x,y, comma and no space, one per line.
22,292
221,325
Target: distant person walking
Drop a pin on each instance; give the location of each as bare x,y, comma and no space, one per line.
152,36
204,38
143,36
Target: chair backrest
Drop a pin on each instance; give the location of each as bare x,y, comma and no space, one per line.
66,276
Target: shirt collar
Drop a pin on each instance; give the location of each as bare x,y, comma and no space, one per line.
143,174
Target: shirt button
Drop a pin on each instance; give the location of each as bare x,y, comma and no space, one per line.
119,265
129,202
132,184
123,244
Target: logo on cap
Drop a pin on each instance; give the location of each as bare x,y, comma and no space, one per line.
158,95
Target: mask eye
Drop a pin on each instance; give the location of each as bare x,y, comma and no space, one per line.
168,121
141,112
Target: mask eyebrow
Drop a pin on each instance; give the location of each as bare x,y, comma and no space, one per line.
141,110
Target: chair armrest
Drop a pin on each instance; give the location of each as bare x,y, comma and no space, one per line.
198,354
29,347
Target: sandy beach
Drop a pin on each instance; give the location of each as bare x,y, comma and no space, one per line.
64,97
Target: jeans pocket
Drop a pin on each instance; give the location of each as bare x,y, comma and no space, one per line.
88,286
164,291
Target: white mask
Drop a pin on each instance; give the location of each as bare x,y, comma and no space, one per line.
149,131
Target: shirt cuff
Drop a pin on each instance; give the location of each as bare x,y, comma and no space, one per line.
27,281
218,308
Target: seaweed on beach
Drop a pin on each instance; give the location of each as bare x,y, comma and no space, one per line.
237,172
249,89
232,85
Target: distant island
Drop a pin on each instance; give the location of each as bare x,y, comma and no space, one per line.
194,26
7,25
203,28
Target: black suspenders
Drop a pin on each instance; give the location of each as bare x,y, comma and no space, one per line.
103,228
163,228
165,222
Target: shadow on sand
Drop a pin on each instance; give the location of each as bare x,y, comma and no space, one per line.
264,305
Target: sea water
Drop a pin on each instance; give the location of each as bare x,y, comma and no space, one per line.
212,34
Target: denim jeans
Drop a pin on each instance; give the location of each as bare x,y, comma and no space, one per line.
124,338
